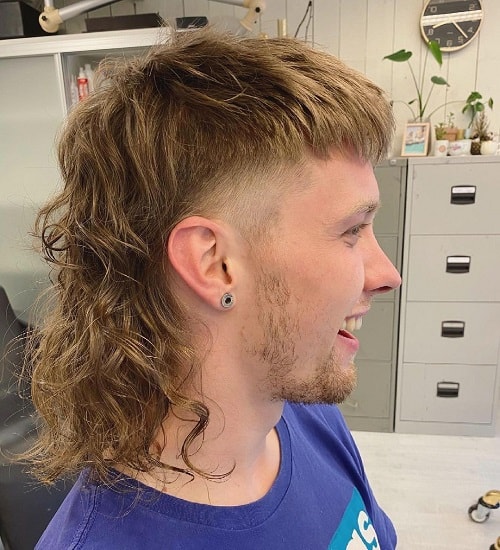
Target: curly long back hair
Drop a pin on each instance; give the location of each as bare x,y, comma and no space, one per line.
192,127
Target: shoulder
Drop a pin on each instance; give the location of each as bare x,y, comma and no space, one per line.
71,522
95,516
324,427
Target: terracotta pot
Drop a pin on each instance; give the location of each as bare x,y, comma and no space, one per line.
451,134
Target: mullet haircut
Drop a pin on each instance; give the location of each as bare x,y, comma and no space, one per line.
202,125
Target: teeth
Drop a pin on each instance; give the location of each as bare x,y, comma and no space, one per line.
352,324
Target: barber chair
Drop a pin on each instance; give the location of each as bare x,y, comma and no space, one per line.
26,506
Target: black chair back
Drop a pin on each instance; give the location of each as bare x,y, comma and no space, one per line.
26,506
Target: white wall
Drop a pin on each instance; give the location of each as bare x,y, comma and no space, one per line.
29,120
362,32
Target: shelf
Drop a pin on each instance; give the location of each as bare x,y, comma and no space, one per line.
84,42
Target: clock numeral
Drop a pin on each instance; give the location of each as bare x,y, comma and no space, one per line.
438,40
433,9
460,39
472,7
470,30
449,43
429,31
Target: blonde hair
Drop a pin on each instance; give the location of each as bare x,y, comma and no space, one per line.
190,128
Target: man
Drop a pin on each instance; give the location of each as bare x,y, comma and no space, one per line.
214,249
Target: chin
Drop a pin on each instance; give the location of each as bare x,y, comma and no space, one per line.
332,387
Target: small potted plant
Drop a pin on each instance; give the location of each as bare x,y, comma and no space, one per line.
473,106
482,137
440,131
451,131
441,143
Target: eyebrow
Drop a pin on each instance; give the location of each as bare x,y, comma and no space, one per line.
365,208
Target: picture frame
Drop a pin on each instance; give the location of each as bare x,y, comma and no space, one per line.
416,139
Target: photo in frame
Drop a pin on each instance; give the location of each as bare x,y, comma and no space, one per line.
416,139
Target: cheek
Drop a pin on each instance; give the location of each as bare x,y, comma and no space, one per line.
343,274
324,285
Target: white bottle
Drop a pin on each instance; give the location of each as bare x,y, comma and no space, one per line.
89,73
83,85
74,91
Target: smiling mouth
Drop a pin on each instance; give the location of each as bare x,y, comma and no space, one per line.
351,324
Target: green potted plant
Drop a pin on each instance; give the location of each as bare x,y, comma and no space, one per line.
423,96
451,131
440,131
474,105
441,143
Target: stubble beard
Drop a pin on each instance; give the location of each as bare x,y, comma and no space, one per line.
329,381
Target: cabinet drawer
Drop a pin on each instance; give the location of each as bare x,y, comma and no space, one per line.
455,199
390,188
372,395
449,332
376,334
448,393
439,268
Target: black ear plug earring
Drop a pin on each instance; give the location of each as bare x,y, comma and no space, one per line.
227,300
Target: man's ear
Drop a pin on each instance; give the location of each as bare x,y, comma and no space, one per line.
197,251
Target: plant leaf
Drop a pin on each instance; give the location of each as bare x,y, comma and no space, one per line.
435,50
479,107
439,80
490,103
474,96
401,55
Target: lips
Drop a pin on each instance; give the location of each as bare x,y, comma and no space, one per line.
348,341
346,334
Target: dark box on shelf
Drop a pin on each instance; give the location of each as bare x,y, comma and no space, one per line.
19,20
195,22
121,22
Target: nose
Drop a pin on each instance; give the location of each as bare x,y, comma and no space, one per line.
380,273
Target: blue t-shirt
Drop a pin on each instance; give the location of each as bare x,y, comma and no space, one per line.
321,500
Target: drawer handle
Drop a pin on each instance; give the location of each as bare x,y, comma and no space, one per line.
447,389
458,264
453,329
463,194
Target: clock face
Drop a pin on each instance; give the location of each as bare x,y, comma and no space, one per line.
451,23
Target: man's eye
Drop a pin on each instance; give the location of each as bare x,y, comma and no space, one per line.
356,230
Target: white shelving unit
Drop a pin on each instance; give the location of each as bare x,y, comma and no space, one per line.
68,52
34,87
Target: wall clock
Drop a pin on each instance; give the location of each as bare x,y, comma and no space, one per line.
451,23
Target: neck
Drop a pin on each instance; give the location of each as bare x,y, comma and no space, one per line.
239,449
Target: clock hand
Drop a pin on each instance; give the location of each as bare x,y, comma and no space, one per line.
460,29
453,23
442,23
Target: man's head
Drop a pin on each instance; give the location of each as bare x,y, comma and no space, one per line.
209,126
